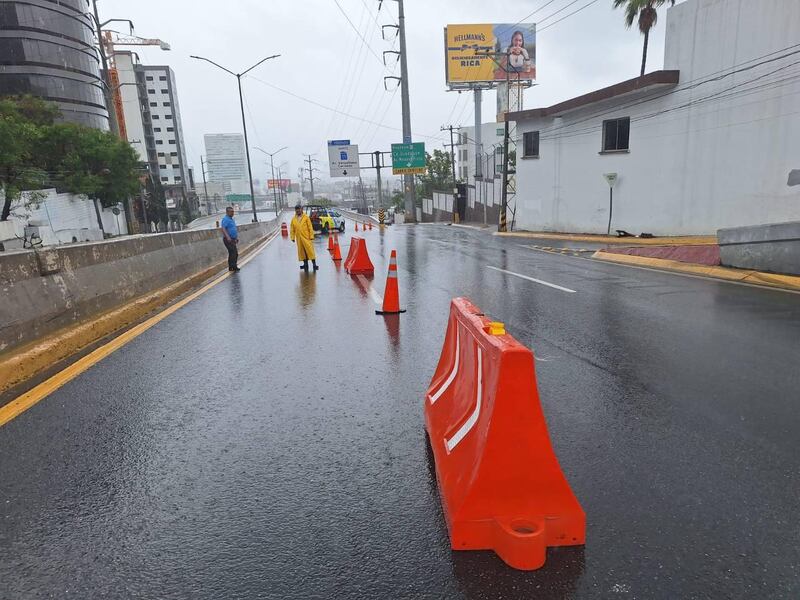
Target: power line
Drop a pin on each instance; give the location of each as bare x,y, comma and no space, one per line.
691,84
566,16
358,33
324,107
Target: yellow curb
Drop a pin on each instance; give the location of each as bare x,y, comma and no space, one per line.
23,363
788,282
689,240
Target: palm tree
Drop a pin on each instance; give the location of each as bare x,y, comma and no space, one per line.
645,12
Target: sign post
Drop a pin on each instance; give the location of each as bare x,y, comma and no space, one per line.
409,159
611,179
343,159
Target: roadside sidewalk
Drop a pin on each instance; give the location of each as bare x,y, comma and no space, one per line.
693,240
787,282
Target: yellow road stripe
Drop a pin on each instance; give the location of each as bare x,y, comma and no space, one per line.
29,399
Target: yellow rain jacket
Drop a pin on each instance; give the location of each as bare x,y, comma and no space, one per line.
301,231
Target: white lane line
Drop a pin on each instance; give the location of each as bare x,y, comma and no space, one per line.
376,297
453,373
473,418
552,285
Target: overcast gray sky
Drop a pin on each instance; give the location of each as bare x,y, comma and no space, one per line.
323,60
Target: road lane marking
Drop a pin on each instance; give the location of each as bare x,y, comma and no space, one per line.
376,297
35,395
539,281
453,373
473,418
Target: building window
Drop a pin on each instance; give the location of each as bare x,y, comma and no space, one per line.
616,134
165,179
177,179
159,142
157,129
153,104
151,91
156,117
162,78
172,141
160,154
173,154
165,91
162,166
168,117
148,78
530,144
167,103
170,129
176,166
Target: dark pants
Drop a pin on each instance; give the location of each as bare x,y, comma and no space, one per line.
233,253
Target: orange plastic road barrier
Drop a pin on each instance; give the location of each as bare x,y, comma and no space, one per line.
391,295
337,252
499,480
356,225
370,225
284,229
358,262
330,242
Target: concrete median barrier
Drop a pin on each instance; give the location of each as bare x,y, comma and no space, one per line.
501,486
51,292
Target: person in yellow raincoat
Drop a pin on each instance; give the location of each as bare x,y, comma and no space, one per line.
302,232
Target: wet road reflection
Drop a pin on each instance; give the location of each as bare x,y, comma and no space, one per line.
267,439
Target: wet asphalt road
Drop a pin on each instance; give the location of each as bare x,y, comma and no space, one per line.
266,441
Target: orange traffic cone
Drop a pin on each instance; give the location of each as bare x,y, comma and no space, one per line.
330,242
370,225
284,229
337,252
391,295
356,225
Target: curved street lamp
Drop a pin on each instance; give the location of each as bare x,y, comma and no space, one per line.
244,123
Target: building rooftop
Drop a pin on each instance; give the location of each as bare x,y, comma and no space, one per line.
638,86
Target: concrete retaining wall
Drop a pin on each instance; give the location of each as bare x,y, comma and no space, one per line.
47,290
774,248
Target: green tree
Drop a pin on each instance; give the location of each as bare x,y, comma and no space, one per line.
21,122
37,152
439,177
645,13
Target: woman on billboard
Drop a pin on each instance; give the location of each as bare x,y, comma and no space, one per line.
518,60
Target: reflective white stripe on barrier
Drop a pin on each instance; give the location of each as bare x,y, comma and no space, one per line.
473,418
453,373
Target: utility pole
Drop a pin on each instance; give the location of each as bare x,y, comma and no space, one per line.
205,185
408,180
310,169
453,167
478,136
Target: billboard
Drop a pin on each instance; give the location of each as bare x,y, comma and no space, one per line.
281,184
487,53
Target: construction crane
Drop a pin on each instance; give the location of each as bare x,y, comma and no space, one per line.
112,39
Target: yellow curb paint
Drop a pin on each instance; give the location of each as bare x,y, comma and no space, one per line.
787,282
31,398
704,240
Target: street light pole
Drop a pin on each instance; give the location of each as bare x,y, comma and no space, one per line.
244,121
272,167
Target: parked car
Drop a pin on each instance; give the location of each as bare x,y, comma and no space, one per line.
325,219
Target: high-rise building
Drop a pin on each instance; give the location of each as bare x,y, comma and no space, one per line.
47,49
153,123
226,158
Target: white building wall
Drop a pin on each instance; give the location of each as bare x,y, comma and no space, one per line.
131,104
710,154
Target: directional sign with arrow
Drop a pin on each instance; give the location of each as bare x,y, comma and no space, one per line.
408,159
343,158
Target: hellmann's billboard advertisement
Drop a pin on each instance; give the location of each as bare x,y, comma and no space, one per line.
485,53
